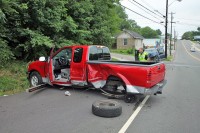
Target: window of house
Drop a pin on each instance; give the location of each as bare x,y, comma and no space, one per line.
125,41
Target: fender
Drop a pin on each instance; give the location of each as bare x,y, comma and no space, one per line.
38,66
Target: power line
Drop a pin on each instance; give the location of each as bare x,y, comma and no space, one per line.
152,7
141,15
188,19
188,24
145,10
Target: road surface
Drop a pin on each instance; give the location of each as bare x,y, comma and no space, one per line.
50,111
177,109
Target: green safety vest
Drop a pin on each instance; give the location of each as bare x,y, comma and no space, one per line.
142,56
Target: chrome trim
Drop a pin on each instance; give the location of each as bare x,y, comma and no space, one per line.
79,82
64,84
99,84
146,91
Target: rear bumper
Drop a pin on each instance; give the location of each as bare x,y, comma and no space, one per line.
157,89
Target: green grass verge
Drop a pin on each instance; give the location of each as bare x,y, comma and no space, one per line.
13,78
169,58
123,51
113,59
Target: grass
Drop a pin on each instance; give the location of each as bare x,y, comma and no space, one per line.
123,51
13,78
113,59
169,58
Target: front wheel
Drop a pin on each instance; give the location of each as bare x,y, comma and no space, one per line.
35,79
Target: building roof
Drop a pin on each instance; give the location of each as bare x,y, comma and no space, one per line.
133,34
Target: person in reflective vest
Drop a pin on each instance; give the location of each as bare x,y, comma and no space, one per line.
143,56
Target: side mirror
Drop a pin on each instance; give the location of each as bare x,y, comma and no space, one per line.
42,58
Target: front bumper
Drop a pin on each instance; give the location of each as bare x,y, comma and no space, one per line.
157,89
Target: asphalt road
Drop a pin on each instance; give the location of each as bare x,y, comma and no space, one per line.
177,110
50,111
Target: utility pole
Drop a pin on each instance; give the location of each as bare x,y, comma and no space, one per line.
170,49
166,21
174,38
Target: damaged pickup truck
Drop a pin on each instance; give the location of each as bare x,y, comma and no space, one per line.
91,66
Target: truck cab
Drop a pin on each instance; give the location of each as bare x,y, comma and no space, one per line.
67,66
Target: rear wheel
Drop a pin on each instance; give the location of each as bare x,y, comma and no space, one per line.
115,87
35,79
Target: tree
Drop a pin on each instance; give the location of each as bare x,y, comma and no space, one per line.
187,35
147,32
198,29
159,32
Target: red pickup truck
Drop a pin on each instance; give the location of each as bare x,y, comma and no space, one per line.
91,66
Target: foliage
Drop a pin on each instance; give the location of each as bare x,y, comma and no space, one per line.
169,58
159,32
28,28
198,29
31,27
5,53
189,35
147,32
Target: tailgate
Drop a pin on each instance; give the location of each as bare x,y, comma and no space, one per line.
155,74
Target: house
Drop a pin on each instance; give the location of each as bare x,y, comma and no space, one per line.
129,39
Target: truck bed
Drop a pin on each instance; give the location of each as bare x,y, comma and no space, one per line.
140,74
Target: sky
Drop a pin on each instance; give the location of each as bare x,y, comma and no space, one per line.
186,14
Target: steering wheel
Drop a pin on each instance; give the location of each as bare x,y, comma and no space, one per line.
63,60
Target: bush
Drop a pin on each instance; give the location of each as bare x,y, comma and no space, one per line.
5,53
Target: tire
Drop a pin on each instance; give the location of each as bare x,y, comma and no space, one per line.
35,79
106,108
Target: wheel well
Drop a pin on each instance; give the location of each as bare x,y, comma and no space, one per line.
115,78
32,72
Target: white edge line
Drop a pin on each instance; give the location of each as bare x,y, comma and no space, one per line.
133,116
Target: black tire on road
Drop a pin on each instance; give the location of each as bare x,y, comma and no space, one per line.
106,108
35,79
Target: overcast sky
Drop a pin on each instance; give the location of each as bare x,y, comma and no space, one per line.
187,14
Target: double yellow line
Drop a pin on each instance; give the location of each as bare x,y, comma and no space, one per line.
191,54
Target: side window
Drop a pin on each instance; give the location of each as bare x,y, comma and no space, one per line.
93,53
106,54
65,53
78,52
99,53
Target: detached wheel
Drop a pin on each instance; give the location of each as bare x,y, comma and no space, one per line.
35,79
106,108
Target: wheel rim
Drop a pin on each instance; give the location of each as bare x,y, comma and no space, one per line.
34,81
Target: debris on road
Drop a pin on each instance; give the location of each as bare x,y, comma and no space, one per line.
67,93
